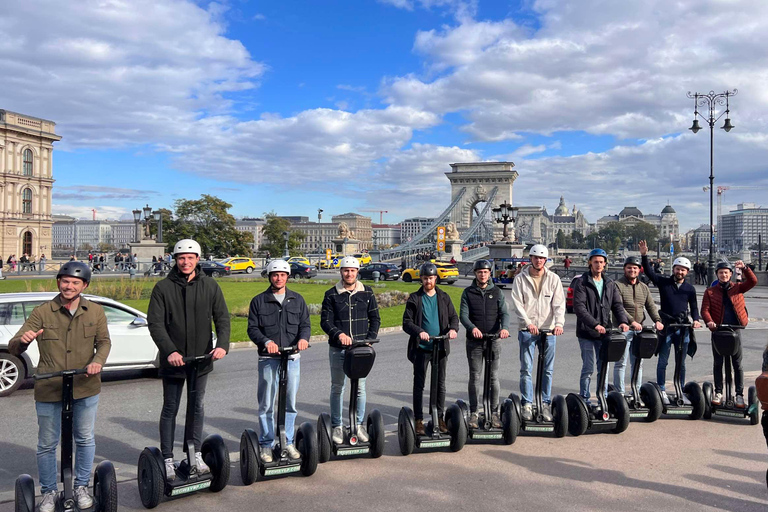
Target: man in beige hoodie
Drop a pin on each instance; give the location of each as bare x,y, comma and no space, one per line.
539,303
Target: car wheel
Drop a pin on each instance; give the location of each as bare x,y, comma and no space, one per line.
215,273
12,373
407,278
249,270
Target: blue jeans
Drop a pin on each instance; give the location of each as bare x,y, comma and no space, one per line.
269,383
590,356
527,350
49,432
338,379
620,367
664,350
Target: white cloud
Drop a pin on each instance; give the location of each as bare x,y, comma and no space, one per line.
259,17
103,212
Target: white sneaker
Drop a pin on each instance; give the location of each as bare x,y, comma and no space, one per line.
717,399
48,504
293,453
665,398
266,455
202,467
338,435
170,470
82,497
362,435
739,402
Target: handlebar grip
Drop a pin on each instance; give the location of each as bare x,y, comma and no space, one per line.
189,359
730,326
43,376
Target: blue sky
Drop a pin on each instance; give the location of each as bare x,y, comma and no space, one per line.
346,105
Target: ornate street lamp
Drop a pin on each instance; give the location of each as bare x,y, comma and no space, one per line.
711,100
286,253
136,220
158,216
505,214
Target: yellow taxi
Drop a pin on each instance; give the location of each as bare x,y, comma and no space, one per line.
447,273
299,259
363,257
323,263
239,264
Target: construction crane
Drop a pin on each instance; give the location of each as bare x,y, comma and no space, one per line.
722,189
381,214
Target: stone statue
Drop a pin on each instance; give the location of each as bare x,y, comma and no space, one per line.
344,231
451,233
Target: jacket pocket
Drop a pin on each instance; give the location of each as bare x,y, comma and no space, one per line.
50,333
89,332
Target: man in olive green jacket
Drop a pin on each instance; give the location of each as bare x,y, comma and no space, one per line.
72,334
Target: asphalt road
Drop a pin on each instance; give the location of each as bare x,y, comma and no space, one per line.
670,464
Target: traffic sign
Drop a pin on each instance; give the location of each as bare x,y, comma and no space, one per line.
671,248
441,245
335,261
440,238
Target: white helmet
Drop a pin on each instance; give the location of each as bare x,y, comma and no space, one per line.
187,246
683,262
279,266
349,262
539,250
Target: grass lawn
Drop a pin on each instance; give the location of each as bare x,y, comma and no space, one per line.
237,292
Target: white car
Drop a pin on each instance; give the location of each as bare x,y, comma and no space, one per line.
132,346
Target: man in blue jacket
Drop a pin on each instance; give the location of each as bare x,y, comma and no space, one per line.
677,299
278,318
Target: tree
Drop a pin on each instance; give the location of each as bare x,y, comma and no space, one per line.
274,242
642,231
208,221
577,239
561,239
612,230
105,247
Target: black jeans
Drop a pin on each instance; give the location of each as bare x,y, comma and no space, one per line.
738,372
420,363
475,358
172,388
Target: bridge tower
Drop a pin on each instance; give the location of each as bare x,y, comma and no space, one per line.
479,179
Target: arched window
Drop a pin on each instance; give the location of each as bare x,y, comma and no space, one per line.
27,162
26,201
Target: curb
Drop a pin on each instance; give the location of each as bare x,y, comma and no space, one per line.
237,345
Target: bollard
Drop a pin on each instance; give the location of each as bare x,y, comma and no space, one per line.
376,274
132,272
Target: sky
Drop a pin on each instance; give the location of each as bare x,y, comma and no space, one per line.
353,105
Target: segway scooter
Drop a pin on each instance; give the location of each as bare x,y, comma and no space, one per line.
687,400
509,420
406,422
251,466
611,413
152,478
726,342
559,423
644,403
104,480
358,361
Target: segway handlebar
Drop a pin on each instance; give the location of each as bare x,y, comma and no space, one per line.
491,337
443,337
545,332
293,349
189,359
689,324
43,376
730,326
361,343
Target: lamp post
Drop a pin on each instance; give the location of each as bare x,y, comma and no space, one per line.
505,214
136,220
158,215
286,253
711,100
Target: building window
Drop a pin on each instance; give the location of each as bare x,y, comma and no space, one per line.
26,201
27,162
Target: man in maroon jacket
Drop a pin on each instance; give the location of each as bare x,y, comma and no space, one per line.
724,304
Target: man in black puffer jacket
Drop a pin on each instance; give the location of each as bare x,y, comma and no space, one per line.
180,312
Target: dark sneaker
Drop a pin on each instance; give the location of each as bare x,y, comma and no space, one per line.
546,412
443,427
420,431
495,420
473,420
528,412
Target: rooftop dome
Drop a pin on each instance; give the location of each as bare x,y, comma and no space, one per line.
561,210
668,209
630,211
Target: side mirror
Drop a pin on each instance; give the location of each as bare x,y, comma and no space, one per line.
139,321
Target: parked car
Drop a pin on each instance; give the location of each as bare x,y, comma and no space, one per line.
569,298
239,264
299,259
386,271
447,273
298,271
363,257
215,269
132,346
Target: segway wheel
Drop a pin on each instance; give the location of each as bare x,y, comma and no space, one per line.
405,431
578,419
151,477
560,415
456,427
754,406
708,391
25,494
105,487
518,408
323,441
216,456
618,408
306,442
509,421
696,396
376,433
249,461
611,387
652,400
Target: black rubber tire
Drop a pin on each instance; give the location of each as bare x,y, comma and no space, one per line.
13,375
306,443
456,427
754,404
578,421
696,396
510,423
407,278
708,391
151,479
215,273
249,463
376,433
611,387
405,434
652,400
518,409
105,487
618,408
216,456
249,270
560,415
323,442
25,494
